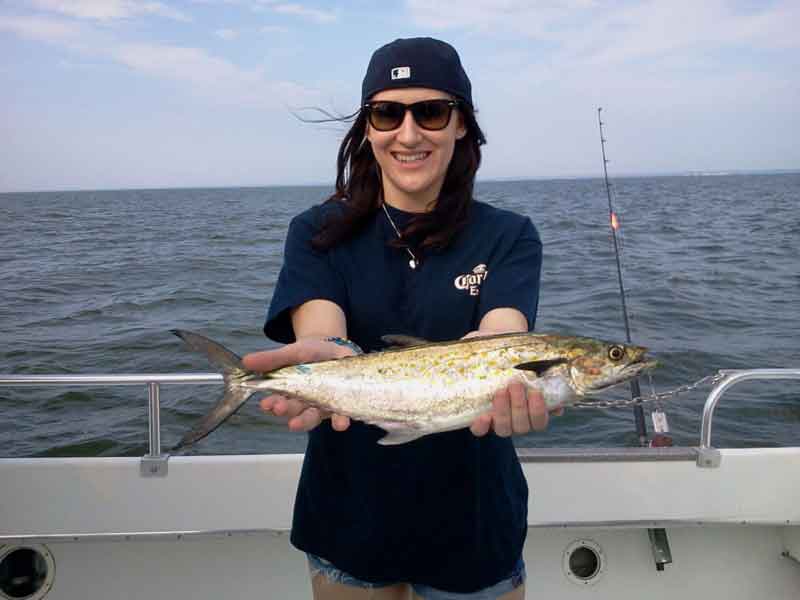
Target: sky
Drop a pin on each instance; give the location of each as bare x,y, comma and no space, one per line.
111,94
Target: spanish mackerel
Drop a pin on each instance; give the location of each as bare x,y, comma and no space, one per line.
426,387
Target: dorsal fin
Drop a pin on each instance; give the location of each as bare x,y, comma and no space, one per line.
403,340
540,367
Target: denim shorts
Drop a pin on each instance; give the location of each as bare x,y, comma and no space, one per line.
320,566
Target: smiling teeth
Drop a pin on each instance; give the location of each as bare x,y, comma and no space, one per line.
410,157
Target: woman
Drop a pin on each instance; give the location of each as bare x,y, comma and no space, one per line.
402,248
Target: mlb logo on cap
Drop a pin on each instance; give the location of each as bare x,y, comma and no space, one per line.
401,73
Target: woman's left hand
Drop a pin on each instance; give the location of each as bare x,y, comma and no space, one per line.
516,410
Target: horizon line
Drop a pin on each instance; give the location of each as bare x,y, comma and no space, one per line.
499,179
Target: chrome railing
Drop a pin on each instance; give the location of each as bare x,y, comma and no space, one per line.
154,463
708,456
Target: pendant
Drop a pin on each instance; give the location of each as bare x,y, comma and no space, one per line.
412,263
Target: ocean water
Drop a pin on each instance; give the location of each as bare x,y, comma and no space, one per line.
92,282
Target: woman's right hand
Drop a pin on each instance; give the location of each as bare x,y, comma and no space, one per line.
302,417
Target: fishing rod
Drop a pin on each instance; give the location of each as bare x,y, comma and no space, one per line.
638,411
659,542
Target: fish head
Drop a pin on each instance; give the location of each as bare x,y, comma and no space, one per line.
600,365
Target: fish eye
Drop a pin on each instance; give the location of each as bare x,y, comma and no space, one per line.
616,353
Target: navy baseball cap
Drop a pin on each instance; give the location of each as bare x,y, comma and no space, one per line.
416,62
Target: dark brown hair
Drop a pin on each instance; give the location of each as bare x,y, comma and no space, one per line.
359,191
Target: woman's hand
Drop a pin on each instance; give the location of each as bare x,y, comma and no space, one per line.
301,416
516,409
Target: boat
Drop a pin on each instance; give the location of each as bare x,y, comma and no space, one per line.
606,523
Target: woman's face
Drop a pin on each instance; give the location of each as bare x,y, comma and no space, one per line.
414,160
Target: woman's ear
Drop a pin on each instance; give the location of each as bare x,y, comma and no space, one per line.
461,128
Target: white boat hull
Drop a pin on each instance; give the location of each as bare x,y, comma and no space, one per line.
217,526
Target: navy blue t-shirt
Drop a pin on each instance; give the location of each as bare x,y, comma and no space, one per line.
448,510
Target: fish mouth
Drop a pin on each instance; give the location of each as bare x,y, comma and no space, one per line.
626,373
643,364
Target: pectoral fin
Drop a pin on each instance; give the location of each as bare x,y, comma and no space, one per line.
540,367
396,438
397,433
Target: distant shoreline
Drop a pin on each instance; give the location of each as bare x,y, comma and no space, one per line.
703,173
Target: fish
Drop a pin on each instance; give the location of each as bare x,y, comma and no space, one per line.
418,388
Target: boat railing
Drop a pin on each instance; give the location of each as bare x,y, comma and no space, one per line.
708,456
155,462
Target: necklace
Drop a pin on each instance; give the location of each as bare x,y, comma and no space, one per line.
413,262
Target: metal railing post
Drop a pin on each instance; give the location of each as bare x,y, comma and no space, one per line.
708,456
155,419
154,464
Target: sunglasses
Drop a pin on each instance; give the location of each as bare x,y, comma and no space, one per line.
432,115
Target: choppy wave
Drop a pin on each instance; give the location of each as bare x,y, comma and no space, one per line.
92,282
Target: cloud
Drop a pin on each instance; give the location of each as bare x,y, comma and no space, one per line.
274,29
197,71
180,63
659,29
608,33
532,17
40,28
211,76
673,74
227,34
311,14
106,10
70,65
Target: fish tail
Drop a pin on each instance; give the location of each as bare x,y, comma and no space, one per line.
233,373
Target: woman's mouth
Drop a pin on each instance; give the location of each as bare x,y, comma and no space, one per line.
409,157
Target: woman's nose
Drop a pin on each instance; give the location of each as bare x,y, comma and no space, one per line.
409,133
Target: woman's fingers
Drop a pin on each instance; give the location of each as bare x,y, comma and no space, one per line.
303,351
306,420
267,404
301,416
527,409
501,417
311,417
537,410
481,425
516,410
287,407
269,360
520,420
340,422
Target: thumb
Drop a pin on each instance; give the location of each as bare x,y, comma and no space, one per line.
269,360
